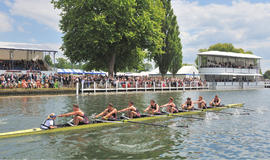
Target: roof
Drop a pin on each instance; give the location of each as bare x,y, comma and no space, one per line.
78,71
229,54
156,71
26,47
230,74
188,70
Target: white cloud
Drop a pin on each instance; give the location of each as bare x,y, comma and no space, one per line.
40,10
244,24
5,23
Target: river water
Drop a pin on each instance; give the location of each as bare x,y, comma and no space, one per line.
218,136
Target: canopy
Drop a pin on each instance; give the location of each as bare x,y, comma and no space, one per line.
70,71
188,70
229,54
156,71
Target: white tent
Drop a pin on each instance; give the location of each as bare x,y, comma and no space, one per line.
156,72
188,71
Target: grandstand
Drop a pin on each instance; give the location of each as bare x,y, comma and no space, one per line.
24,57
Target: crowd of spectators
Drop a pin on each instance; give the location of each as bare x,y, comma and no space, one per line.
38,80
21,65
215,64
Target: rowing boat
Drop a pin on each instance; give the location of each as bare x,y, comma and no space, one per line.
94,125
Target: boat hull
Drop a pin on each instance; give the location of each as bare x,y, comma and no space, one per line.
34,131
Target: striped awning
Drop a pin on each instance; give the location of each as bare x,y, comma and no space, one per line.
70,71
78,71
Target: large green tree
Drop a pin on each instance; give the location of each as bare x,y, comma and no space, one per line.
109,34
172,57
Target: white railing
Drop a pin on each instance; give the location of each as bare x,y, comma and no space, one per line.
94,87
228,70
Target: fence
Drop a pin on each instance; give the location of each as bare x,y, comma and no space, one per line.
93,87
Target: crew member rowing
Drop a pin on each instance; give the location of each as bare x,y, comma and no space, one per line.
188,105
171,107
153,108
215,102
109,113
133,112
201,103
79,116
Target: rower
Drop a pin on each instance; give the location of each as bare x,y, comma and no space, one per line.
153,108
49,122
215,102
201,103
188,105
133,112
171,107
109,113
79,118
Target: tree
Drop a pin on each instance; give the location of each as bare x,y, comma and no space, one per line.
63,63
48,60
266,75
225,47
176,64
172,57
107,35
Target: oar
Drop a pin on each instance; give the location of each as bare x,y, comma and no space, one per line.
248,109
152,124
229,113
187,117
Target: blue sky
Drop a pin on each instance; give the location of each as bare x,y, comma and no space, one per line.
245,23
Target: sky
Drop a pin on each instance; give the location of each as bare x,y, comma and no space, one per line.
244,23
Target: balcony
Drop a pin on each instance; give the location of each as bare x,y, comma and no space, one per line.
228,71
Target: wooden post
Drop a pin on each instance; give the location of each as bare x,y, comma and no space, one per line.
82,85
170,86
154,86
106,86
145,86
116,86
126,86
94,87
136,85
184,86
177,86
77,88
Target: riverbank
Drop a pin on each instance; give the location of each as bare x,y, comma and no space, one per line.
41,91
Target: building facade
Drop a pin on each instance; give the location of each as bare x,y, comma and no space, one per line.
227,70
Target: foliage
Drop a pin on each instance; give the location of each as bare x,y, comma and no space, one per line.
225,47
266,75
172,57
110,35
48,60
65,64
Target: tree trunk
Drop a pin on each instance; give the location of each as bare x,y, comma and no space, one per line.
111,64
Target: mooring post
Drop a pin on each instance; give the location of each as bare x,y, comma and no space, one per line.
106,86
77,88
82,85
94,87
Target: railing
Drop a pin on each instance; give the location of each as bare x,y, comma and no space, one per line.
229,70
94,87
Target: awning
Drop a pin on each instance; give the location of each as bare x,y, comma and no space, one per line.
70,71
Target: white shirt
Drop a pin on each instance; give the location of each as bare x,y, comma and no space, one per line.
48,122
